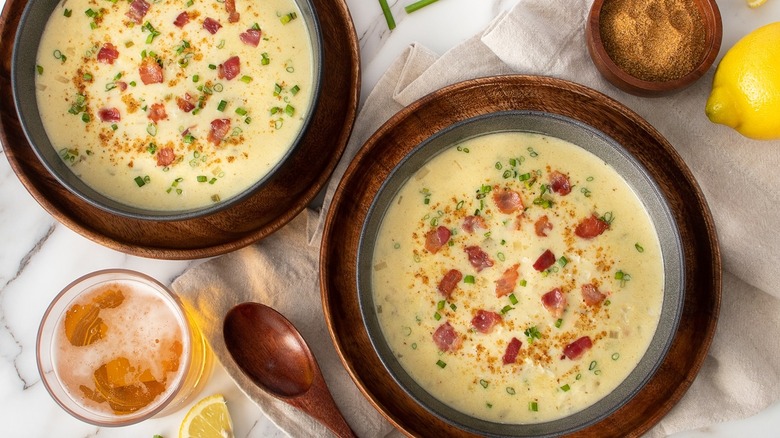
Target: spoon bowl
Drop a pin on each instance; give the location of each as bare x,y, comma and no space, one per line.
273,354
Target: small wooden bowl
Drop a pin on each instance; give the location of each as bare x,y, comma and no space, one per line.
713,28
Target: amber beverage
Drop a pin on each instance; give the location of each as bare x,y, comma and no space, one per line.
116,347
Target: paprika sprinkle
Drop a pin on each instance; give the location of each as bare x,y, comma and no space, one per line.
653,40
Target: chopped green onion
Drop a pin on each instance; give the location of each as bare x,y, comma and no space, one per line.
202,178
440,304
441,363
506,309
151,129
388,14
512,299
639,247
39,69
241,111
294,90
615,356
289,110
195,78
246,79
67,13
484,383
558,323
286,18
523,283
510,390
565,387
212,67
222,105
563,261
85,118
592,365
533,406
418,5
265,60
436,316
468,279
140,181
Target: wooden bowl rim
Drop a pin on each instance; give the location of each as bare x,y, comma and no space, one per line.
627,82
340,53
344,222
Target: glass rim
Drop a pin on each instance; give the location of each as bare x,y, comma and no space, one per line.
77,409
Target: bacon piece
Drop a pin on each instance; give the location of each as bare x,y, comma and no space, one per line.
109,115
211,25
576,349
107,54
181,19
437,238
157,112
506,284
542,226
478,258
218,131
251,37
472,222
544,261
137,11
230,7
122,85
485,320
591,294
449,281
507,201
510,356
591,227
150,71
555,302
185,103
446,338
559,183
165,156
230,68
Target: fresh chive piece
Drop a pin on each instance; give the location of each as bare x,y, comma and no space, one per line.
441,363
202,178
523,283
510,390
513,299
39,69
294,90
484,383
68,12
286,18
241,111
289,110
388,14
440,305
436,316
533,406
565,387
222,105
264,59
139,181
558,323
418,5
468,279
246,79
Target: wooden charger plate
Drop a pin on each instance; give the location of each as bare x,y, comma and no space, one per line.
462,101
286,193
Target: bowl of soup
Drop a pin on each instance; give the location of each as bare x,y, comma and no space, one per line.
519,265
166,111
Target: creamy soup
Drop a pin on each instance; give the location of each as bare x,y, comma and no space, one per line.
517,278
174,105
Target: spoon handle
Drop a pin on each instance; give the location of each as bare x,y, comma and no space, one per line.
319,404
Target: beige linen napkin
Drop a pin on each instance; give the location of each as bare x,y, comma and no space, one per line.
738,177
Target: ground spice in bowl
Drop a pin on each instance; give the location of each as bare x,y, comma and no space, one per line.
653,40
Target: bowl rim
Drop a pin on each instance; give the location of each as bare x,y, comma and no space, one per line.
28,32
604,148
635,85
475,96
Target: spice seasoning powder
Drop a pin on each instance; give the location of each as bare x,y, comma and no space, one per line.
653,40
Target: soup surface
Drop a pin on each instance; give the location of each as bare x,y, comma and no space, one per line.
517,278
174,105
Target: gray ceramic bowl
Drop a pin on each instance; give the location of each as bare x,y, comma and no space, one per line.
23,72
635,175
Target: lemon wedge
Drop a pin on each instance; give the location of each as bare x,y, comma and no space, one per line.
209,418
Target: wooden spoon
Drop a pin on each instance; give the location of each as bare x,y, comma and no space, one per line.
274,355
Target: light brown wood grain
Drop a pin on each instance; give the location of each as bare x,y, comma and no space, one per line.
461,101
292,187
630,84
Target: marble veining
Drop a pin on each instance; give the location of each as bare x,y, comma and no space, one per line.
40,256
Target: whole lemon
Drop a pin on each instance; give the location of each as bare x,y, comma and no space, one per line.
746,87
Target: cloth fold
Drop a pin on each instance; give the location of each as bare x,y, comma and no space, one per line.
738,176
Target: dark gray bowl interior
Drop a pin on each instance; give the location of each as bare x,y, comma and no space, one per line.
635,175
23,63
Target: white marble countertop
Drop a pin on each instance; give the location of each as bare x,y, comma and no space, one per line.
39,256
